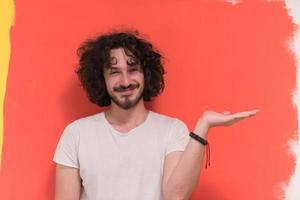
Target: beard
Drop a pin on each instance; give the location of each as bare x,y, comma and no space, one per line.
126,103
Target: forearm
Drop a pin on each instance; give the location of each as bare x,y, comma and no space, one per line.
185,176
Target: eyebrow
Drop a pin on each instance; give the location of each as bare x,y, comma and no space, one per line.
129,66
111,67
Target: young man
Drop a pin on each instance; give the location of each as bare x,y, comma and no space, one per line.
128,152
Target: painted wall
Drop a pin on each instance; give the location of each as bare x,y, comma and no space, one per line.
219,56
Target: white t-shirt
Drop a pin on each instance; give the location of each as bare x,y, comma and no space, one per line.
120,166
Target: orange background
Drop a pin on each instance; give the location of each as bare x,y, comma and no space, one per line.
219,57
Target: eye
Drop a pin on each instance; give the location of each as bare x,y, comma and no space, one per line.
113,71
133,69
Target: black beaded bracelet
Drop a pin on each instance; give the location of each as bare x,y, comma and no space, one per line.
205,143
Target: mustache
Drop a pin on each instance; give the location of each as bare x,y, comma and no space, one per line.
123,88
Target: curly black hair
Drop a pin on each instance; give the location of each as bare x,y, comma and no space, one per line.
95,57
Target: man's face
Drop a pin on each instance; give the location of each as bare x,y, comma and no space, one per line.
124,79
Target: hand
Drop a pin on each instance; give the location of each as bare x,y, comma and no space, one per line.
210,119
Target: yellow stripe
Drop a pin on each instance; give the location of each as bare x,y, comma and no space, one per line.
7,13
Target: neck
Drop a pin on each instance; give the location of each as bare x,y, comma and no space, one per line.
134,115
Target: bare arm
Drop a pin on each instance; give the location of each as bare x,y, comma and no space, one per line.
182,169
67,183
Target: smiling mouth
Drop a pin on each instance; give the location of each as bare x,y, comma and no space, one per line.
127,91
122,89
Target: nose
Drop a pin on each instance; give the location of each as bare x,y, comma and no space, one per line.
125,79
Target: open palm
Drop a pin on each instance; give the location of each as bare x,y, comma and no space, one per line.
213,118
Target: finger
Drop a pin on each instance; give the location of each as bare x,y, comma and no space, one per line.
253,112
242,115
237,119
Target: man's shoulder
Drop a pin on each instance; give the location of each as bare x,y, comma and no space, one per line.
168,123
165,119
87,120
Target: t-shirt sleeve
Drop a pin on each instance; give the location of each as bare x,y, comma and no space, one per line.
178,137
66,152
